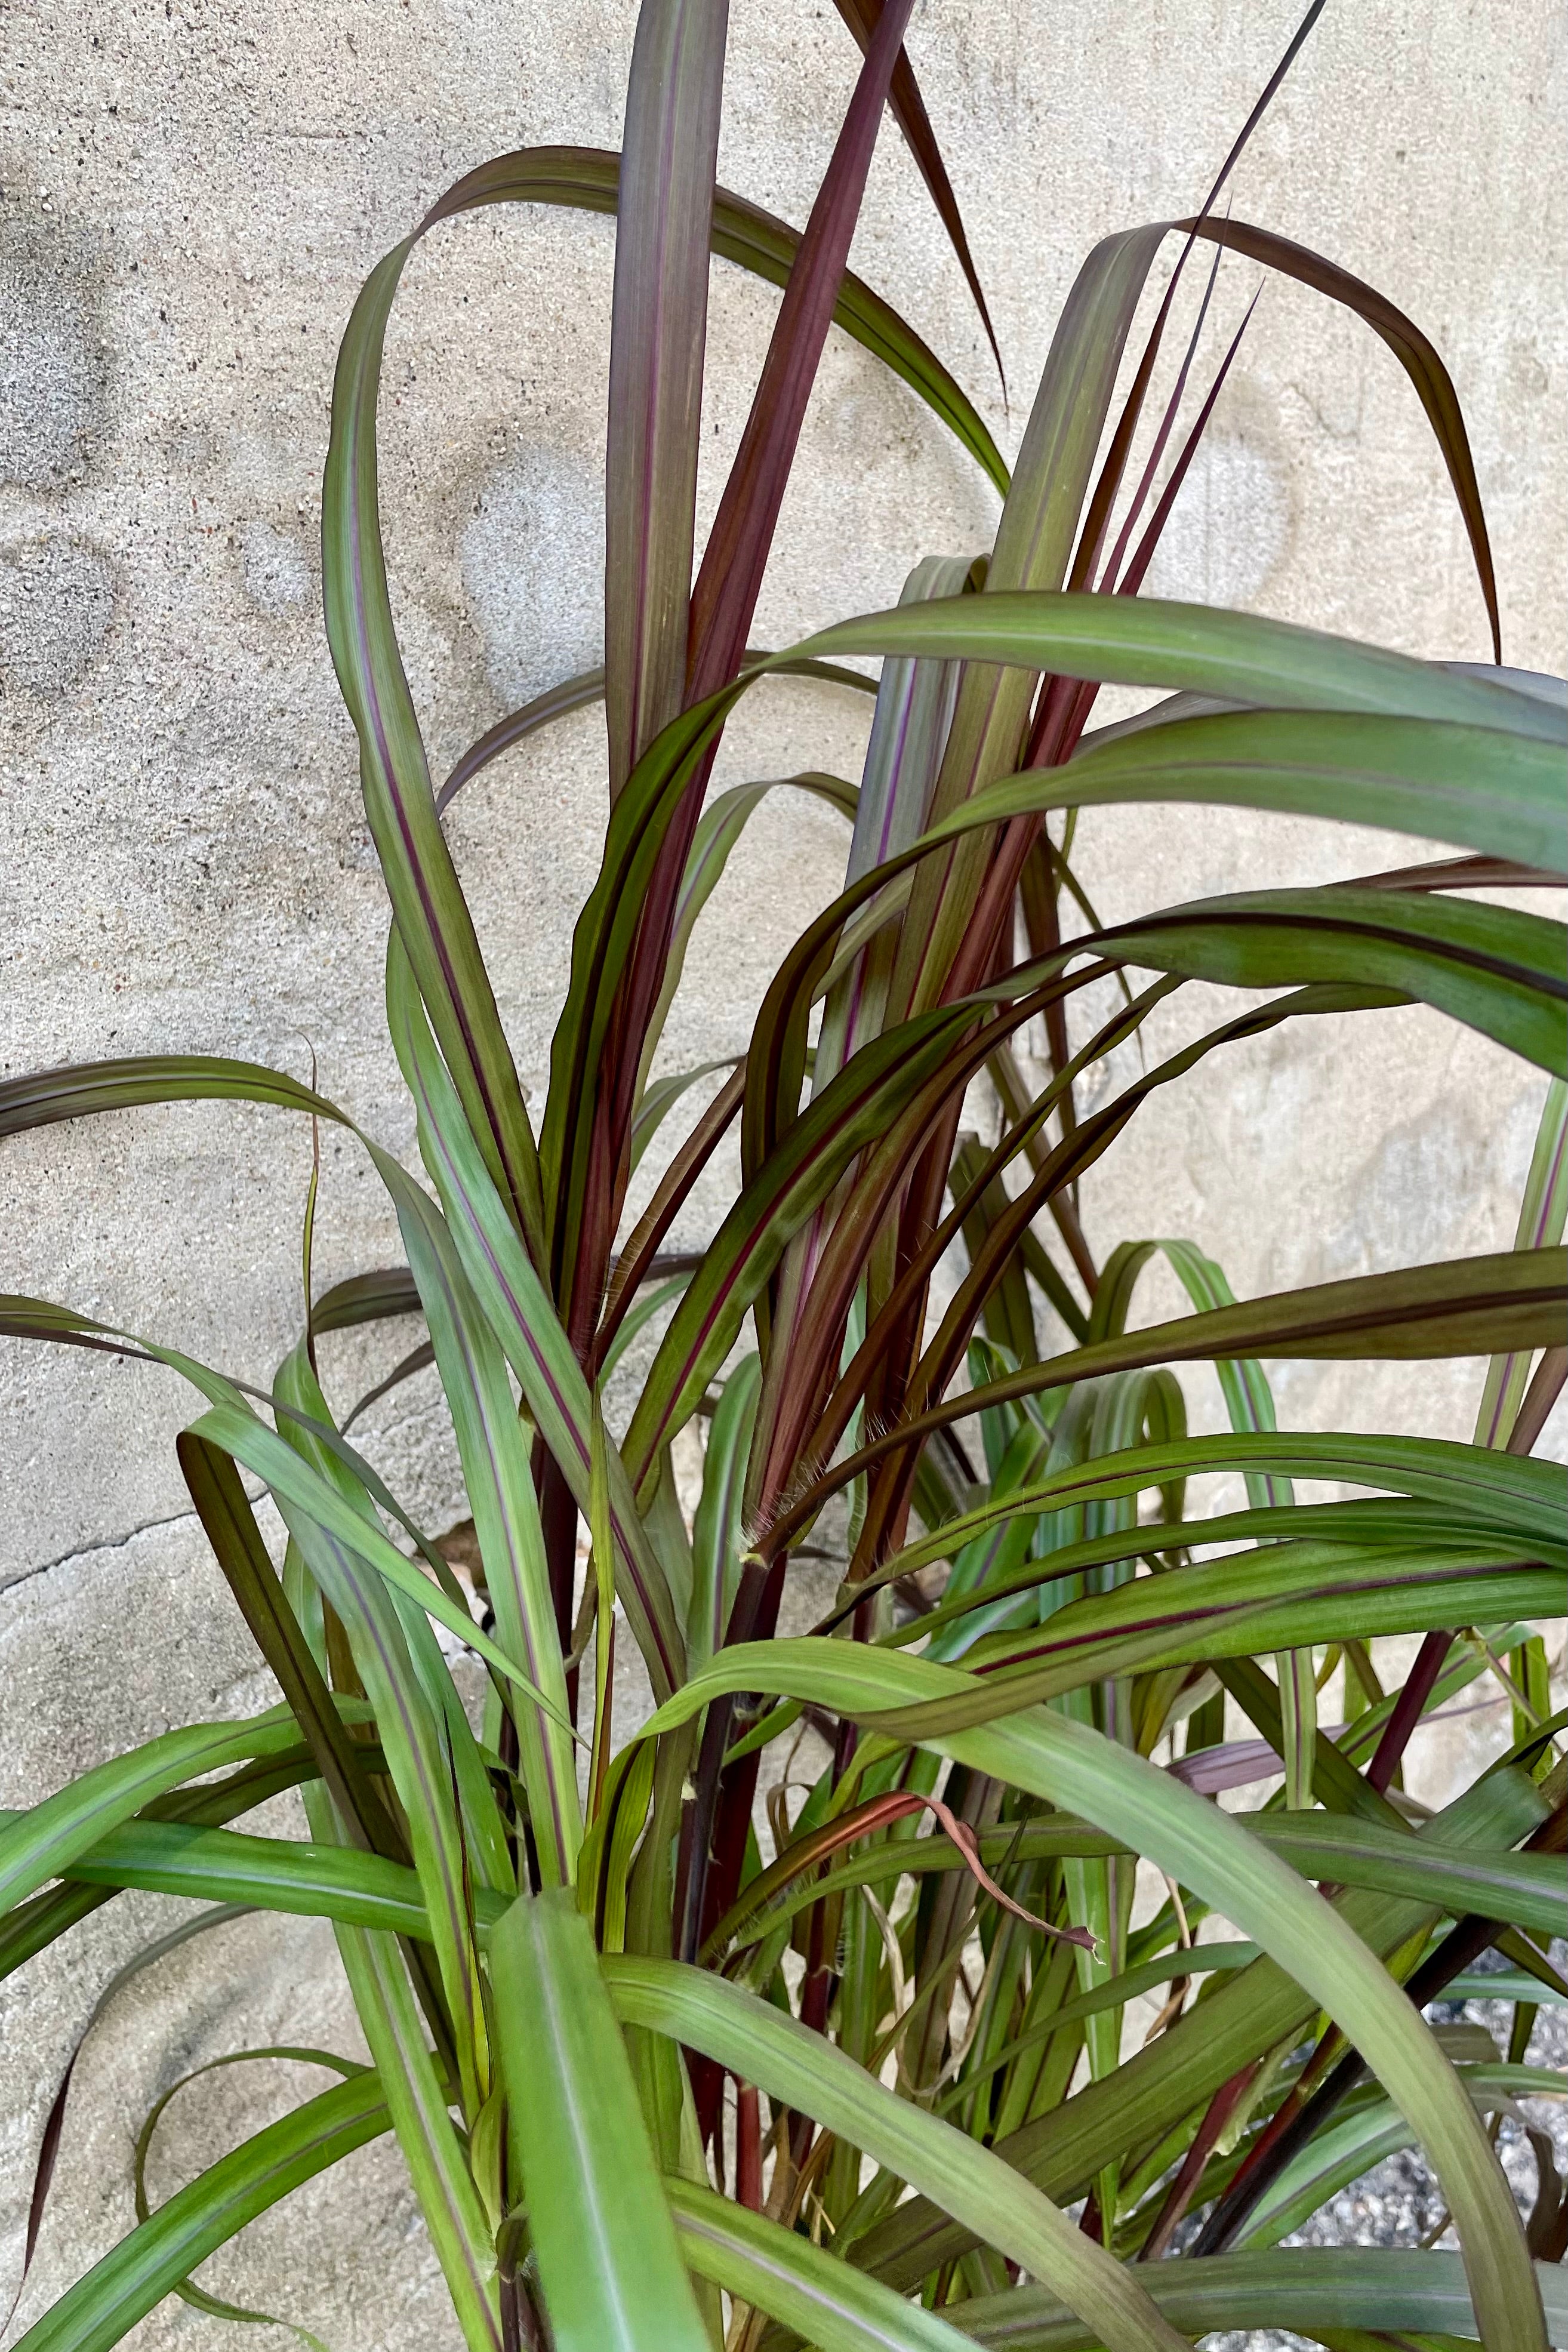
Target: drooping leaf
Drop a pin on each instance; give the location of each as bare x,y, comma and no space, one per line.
1480,787
1144,641
1416,353
796,2065
144,2267
42,1843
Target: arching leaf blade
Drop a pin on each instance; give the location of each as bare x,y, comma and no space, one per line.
1482,788
796,2066
136,2275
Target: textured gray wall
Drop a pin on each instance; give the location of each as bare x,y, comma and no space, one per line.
191,195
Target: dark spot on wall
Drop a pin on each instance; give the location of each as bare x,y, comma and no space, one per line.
57,601
54,368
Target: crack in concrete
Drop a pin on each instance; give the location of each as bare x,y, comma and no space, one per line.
82,1551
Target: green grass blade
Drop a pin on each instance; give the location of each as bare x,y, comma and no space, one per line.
1314,2290
1040,525
1527,1498
455,1832
78,1089
1541,1213
498,1483
612,2269
523,1317
658,333
778,2271
1478,787
1371,1525
417,2101
1233,1609
717,1530
1494,968
431,911
1361,2135
1148,641
576,694
1528,1889
44,1842
295,1482
225,1513
266,1873
1249,1403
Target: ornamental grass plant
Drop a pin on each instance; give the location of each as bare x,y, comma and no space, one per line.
673,2069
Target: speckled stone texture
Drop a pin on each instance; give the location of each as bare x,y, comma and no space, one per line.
190,195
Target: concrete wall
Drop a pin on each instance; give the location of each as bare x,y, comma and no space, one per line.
191,196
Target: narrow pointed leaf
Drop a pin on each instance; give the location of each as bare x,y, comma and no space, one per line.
320,1881
523,1317
611,2267
908,109
432,913
658,335
1144,641
42,1843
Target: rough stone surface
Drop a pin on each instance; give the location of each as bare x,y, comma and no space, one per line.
191,197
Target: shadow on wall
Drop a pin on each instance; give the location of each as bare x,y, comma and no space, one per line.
57,592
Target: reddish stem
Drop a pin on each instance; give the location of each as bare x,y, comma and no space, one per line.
747,2147
1221,2107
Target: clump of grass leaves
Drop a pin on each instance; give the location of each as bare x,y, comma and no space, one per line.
670,2072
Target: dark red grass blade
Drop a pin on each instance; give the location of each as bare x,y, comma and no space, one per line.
43,2177
1265,101
725,596
1413,350
1133,578
908,110
1419,1683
